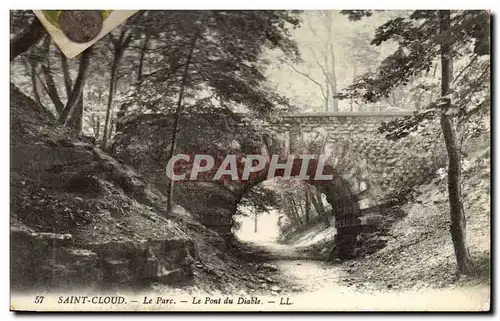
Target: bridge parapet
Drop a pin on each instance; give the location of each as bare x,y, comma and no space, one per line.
374,166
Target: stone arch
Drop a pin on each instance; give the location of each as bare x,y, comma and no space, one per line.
367,168
344,203
376,167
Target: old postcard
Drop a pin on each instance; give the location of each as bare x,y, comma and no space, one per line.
250,160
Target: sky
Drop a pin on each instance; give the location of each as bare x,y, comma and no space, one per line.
311,38
267,227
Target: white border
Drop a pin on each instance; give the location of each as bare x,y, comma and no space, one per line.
257,4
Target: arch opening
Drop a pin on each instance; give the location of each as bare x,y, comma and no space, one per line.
331,202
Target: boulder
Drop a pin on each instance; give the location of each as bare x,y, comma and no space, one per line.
42,260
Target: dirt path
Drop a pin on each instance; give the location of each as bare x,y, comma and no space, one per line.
318,285
276,251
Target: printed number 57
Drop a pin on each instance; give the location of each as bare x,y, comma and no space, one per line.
39,299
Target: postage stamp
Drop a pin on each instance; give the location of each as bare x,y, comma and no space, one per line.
76,30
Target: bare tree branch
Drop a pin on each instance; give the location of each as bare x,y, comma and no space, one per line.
43,84
77,91
320,65
466,67
308,19
310,78
67,77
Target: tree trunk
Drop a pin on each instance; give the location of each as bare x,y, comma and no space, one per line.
329,59
333,81
96,125
458,222
307,212
178,113
76,93
319,209
34,82
67,77
111,125
255,223
76,122
112,85
121,112
289,212
141,58
431,92
77,119
354,71
296,212
327,98
52,89
320,201
315,197
354,75
120,45
28,38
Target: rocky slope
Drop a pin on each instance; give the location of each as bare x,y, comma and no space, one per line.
419,252
81,219
412,247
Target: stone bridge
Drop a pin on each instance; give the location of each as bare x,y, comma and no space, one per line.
368,169
373,166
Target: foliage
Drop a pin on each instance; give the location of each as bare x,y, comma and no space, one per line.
260,199
19,19
356,15
225,67
324,57
422,37
418,39
150,134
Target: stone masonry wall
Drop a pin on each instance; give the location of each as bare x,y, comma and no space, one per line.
374,166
